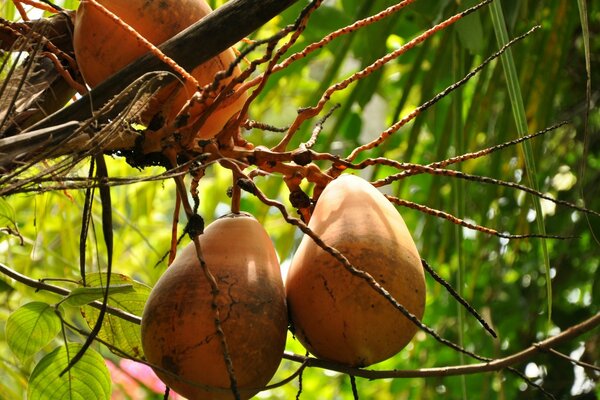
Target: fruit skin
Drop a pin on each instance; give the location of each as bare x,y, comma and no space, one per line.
178,324
103,47
336,315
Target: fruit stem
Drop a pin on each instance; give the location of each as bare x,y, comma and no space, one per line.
235,195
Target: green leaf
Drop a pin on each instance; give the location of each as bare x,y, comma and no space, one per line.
8,216
123,334
88,379
470,31
7,213
520,117
5,287
30,328
85,295
352,126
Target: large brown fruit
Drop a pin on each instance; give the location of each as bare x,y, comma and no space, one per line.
336,315
178,323
103,47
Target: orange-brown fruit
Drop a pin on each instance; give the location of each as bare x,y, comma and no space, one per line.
336,315
178,324
103,47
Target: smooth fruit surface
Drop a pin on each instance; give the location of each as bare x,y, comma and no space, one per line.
178,324
336,315
103,47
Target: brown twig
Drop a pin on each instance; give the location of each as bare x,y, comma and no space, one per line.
396,126
487,180
230,23
466,224
458,298
490,366
210,278
310,112
39,285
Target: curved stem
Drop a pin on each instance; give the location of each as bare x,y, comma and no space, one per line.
493,365
40,285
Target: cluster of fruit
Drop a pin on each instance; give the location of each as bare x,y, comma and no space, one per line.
335,314
218,317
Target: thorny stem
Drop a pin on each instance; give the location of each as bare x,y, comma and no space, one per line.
461,222
458,298
251,124
489,150
487,180
310,112
342,31
396,126
318,128
323,42
297,28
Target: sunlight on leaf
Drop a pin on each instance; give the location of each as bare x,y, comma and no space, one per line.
116,331
30,328
88,379
85,295
7,212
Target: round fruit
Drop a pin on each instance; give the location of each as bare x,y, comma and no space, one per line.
103,47
178,324
337,315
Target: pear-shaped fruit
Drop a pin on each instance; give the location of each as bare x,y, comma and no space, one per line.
336,315
178,324
103,47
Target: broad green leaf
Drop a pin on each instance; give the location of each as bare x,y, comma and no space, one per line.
123,334
30,328
88,379
85,295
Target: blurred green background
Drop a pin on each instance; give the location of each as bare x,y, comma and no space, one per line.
505,280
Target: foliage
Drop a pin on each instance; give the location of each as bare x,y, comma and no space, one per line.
504,279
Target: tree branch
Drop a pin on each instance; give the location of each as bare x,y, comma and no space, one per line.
39,285
495,365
